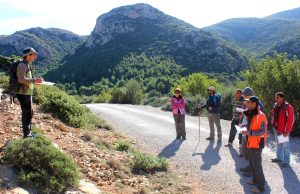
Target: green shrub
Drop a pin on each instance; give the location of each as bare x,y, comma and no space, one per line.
131,93
123,146
4,80
103,97
41,165
149,163
157,101
66,108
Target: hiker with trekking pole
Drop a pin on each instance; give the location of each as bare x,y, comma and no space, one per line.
213,106
22,83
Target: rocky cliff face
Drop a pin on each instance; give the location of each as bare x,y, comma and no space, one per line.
111,24
140,29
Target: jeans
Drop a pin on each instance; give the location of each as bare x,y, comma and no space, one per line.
283,150
27,113
180,125
233,131
214,118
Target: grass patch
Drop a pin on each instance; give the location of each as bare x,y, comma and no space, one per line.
148,163
101,143
41,165
123,146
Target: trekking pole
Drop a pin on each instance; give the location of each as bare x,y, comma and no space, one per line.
199,132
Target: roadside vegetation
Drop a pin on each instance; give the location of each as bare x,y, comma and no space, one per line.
41,165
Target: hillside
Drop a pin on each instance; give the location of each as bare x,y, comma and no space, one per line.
52,45
260,35
293,14
291,47
139,29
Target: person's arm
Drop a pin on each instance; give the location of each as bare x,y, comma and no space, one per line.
260,132
290,120
21,72
272,116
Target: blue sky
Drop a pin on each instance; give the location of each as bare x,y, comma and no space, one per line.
80,16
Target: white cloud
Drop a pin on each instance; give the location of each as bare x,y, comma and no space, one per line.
80,16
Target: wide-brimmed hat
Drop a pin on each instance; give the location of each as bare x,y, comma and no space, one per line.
177,90
211,88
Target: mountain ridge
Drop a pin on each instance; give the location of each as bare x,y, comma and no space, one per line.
260,36
128,30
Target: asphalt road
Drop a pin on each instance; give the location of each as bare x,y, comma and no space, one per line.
216,167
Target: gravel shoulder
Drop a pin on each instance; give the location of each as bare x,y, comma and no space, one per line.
213,165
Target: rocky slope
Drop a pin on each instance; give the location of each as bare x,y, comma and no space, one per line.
102,169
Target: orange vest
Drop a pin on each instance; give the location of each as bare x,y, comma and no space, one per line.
253,141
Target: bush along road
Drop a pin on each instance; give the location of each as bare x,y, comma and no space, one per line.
215,167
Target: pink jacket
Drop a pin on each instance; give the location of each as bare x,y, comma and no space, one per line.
178,105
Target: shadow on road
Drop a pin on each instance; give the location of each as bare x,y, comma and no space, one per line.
239,163
170,150
291,181
210,156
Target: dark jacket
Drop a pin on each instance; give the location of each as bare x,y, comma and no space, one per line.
214,102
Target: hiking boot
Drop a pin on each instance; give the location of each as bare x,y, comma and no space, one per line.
275,160
245,169
250,182
228,145
178,137
248,174
31,135
210,138
183,138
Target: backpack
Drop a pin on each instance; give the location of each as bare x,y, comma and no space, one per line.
215,99
14,85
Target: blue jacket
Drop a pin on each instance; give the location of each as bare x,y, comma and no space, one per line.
214,102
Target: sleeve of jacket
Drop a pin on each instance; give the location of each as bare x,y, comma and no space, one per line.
272,116
173,104
290,119
182,105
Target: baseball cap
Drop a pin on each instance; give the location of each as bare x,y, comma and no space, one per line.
253,99
27,51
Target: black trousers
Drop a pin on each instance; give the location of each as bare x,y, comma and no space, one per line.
233,131
255,162
27,113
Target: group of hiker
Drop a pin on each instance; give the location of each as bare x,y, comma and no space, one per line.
250,121
248,117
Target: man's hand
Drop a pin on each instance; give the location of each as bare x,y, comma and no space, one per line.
38,80
246,132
